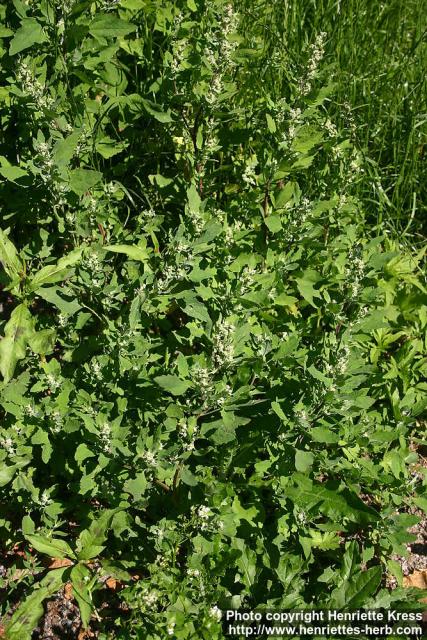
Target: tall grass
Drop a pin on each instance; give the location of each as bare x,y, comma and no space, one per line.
377,53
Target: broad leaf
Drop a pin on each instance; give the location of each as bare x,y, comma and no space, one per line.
29,33
107,25
18,330
80,577
131,250
55,272
9,258
53,547
173,384
26,617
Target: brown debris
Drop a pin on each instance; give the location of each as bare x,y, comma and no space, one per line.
417,579
61,620
58,563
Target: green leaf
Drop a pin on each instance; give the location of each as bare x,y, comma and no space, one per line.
83,180
131,250
55,272
91,541
29,33
303,460
80,577
108,25
12,347
320,434
12,173
5,33
274,223
197,310
137,486
270,123
26,617
332,502
285,194
173,384
357,589
82,453
64,149
421,502
243,514
157,112
7,472
306,284
194,200
53,547
188,477
308,136
246,562
42,342
58,297
9,258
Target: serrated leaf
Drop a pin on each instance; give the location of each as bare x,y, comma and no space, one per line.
64,149
137,486
421,502
330,501
5,33
306,284
58,297
243,514
274,223
188,477
42,342
270,123
194,200
321,434
308,136
6,473
197,310
285,194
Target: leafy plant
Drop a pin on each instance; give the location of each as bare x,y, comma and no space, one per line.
213,368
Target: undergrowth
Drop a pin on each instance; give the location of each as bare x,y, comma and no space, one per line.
213,358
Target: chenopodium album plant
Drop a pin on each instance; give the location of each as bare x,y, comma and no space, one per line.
213,372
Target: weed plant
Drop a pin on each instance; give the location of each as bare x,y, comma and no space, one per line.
213,362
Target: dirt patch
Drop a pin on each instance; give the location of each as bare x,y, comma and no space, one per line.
61,620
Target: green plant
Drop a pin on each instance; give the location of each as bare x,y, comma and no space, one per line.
213,367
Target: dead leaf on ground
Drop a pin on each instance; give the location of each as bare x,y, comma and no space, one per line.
417,580
84,634
58,563
112,583
68,591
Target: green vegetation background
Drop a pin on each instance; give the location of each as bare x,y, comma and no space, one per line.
214,311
